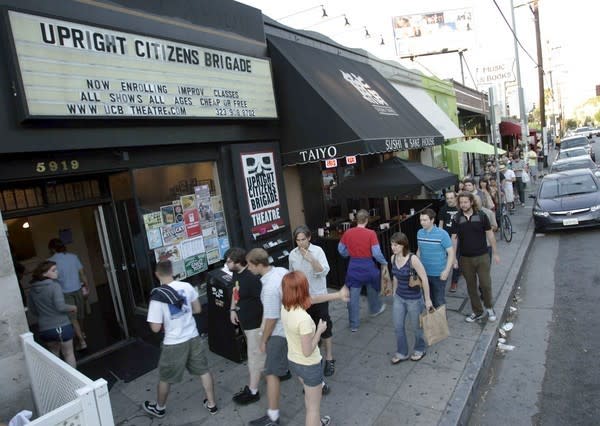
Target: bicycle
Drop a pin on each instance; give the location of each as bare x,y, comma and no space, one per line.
505,224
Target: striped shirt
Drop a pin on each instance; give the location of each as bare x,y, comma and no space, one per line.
432,249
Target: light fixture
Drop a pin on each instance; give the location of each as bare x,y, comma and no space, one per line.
324,15
367,35
346,22
381,43
25,225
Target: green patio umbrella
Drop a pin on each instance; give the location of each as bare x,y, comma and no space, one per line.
476,146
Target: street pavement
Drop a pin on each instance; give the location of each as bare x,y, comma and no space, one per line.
366,389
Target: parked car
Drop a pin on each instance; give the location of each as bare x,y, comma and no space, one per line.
568,199
579,151
584,162
584,131
578,141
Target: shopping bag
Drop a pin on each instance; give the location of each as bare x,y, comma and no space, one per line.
434,325
525,177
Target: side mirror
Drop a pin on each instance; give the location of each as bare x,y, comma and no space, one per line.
597,173
533,196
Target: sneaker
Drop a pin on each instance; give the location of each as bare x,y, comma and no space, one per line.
474,317
152,410
329,367
212,410
286,376
354,330
381,311
453,287
326,389
325,421
264,421
491,315
245,396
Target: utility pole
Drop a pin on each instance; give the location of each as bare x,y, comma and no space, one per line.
524,127
536,17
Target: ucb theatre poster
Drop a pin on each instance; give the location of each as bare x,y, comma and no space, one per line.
261,198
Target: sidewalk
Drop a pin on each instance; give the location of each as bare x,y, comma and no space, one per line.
366,389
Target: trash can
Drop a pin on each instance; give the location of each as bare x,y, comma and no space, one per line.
224,338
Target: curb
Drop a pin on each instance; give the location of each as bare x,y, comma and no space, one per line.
465,395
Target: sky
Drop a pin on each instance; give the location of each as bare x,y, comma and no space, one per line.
569,45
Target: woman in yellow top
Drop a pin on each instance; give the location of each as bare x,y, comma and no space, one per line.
303,337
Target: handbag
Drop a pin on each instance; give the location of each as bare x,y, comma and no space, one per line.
386,282
413,279
434,325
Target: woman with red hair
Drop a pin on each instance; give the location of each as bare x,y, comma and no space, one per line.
303,337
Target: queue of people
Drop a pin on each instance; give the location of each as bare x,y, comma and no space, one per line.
284,313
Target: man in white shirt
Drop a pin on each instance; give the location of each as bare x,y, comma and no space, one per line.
311,260
273,341
171,308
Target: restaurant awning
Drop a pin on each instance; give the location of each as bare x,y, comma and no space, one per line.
510,128
419,98
394,177
331,106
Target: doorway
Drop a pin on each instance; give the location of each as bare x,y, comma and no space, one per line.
85,232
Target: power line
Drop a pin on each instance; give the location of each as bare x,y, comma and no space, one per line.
470,74
515,35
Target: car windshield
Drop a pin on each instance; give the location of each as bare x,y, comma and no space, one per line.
572,143
586,163
567,185
572,153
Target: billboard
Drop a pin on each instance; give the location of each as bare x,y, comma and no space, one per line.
431,32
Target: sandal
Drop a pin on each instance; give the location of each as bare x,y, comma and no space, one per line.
397,358
417,356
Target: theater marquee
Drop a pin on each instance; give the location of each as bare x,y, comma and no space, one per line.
80,71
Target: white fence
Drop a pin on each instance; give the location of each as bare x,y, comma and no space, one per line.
62,395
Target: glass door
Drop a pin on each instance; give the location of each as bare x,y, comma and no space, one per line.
111,271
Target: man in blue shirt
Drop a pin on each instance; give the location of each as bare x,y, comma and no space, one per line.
436,254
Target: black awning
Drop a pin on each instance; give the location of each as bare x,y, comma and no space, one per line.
331,107
394,177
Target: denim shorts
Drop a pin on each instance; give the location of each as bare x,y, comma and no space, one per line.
311,375
59,334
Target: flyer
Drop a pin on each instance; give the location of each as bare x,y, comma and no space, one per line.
223,246
191,218
173,234
154,238
153,220
188,201
195,264
213,256
178,212
202,191
192,247
217,203
209,230
211,243
221,228
168,214
179,270
205,209
171,253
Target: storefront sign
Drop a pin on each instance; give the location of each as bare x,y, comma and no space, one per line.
351,159
74,70
368,93
329,164
262,191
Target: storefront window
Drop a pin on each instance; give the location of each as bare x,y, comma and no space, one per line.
183,218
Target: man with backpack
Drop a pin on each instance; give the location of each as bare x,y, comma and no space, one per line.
171,308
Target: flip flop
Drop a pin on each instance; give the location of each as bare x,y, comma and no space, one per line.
396,359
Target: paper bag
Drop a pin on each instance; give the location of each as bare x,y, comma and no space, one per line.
434,325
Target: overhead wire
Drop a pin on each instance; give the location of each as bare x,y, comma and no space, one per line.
514,34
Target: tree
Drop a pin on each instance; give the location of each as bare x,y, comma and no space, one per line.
571,123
